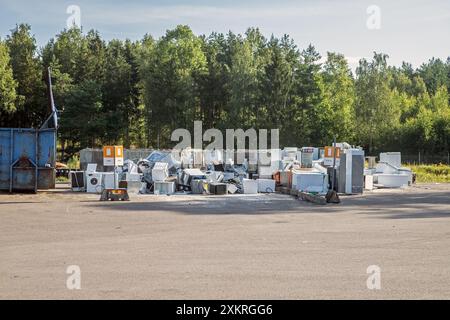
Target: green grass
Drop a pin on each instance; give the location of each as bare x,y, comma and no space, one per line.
431,172
62,180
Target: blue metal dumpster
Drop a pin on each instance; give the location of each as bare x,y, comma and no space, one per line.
28,155
27,159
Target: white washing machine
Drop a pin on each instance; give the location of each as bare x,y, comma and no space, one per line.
94,182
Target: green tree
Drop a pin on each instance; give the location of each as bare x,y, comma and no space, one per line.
212,85
435,74
118,101
169,86
376,113
136,113
308,94
145,62
31,104
83,123
336,111
8,86
243,82
441,120
65,50
276,84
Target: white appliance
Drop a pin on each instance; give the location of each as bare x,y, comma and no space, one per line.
197,157
108,181
316,154
214,176
385,167
265,171
187,175
391,180
250,186
164,187
290,153
266,185
94,182
368,182
134,186
160,171
393,158
132,176
231,188
351,171
266,156
213,155
91,167
186,158
310,181
392,176
277,165
253,158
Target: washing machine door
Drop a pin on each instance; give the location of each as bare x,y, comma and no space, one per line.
94,181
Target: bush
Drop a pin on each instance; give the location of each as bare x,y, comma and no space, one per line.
74,162
431,173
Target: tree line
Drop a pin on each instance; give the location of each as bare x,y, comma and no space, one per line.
137,92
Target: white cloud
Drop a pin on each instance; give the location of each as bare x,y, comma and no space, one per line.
131,14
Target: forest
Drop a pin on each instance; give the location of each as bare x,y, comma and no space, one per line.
136,93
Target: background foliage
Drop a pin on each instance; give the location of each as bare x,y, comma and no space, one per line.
136,93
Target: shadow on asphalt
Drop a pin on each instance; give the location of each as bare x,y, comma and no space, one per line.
227,205
386,206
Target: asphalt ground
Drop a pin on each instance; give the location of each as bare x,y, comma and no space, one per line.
265,246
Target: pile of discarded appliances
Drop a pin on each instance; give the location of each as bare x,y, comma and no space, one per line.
308,170
197,172
388,172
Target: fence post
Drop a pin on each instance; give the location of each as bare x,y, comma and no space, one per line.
419,158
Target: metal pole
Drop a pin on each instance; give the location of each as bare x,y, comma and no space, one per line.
11,150
115,169
36,171
334,163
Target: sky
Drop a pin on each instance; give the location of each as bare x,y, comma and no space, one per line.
406,30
